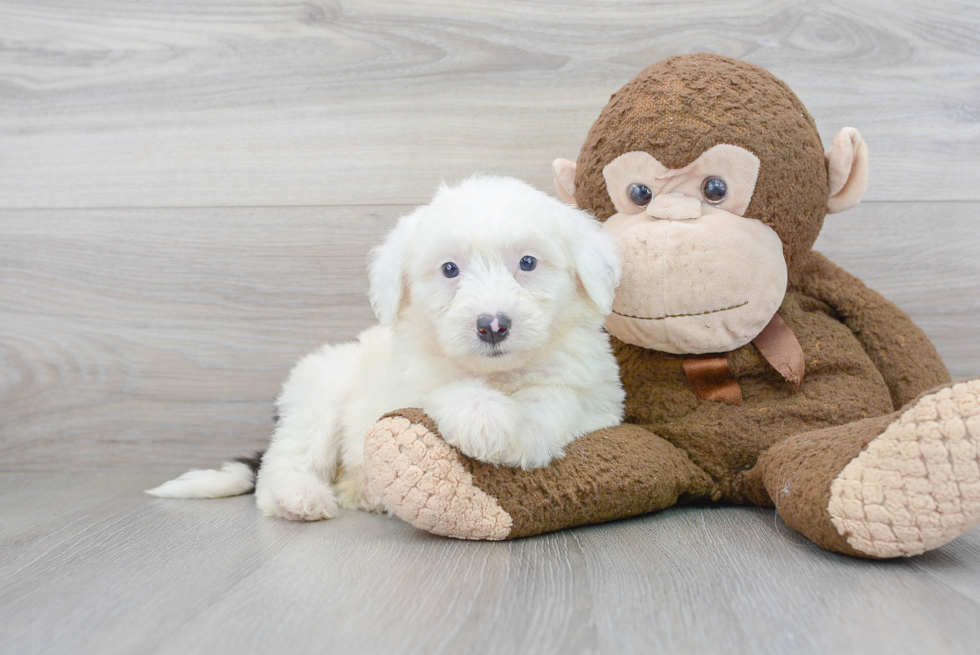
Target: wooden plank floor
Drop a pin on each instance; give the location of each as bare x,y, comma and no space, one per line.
90,565
187,193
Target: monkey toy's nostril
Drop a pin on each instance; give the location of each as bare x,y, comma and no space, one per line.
493,329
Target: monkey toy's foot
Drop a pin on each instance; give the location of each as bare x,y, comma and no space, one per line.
889,486
917,485
425,482
607,474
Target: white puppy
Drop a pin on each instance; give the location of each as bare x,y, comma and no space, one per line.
491,302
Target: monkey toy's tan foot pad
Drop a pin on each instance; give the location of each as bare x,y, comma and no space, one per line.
422,480
917,485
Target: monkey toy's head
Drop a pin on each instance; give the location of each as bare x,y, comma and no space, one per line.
711,173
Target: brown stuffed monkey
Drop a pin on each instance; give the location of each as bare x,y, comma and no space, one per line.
756,371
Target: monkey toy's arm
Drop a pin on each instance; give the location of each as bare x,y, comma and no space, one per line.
900,349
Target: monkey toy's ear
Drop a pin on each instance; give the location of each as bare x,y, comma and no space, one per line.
565,180
847,170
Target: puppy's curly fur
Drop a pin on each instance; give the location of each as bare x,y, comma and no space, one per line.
540,276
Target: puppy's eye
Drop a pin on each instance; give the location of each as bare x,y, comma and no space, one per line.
449,269
640,194
714,189
528,263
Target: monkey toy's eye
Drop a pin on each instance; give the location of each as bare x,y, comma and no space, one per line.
714,189
528,263
640,194
449,269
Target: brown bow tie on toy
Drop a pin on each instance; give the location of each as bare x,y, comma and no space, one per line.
713,380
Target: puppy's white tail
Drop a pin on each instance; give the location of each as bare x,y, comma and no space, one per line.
234,479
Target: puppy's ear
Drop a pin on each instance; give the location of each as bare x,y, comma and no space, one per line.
596,260
386,269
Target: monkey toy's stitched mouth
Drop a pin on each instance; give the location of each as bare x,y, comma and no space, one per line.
660,318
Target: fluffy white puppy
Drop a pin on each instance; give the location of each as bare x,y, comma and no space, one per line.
491,301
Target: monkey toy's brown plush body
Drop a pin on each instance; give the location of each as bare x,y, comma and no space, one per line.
756,370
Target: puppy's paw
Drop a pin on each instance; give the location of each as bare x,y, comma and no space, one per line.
481,422
297,498
538,443
354,490
538,453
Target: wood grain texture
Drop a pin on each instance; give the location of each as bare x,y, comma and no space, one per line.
90,565
127,328
110,103
242,156
160,337
923,257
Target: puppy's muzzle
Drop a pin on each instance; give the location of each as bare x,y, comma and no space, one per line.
492,329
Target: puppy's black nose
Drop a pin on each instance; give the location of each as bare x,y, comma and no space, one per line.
493,329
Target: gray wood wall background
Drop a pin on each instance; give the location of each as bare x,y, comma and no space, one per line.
188,189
